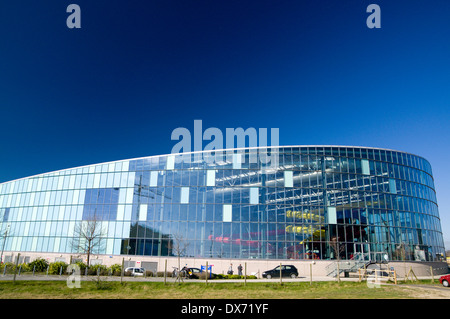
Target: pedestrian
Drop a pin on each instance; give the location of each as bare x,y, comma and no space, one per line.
240,270
230,270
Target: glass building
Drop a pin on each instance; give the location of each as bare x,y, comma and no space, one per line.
307,202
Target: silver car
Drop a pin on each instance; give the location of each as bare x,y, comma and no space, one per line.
135,271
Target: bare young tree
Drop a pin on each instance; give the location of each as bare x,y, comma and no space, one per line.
179,248
88,236
337,247
3,237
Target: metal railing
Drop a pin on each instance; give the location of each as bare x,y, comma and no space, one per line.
358,261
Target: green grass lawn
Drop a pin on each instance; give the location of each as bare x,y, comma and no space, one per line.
196,290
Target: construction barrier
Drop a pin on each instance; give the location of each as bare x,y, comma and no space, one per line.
377,275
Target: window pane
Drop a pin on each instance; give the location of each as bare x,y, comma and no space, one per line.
288,179
153,179
332,215
227,213
254,195
184,195
170,162
211,178
237,161
365,167
143,212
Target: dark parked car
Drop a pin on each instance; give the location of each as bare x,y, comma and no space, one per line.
286,271
445,280
193,273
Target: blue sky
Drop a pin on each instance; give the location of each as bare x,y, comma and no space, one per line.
118,87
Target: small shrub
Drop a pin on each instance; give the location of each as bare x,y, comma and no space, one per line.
39,265
102,284
202,276
233,277
24,267
115,270
10,267
148,273
55,268
161,274
82,266
127,273
100,270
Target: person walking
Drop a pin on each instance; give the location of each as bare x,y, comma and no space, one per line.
230,270
240,270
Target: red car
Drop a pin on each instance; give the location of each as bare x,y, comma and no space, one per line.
445,280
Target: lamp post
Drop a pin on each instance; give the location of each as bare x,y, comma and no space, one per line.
4,241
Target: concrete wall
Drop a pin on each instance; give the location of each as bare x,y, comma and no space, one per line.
422,268
220,266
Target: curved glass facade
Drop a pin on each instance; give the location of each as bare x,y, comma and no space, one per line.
316,202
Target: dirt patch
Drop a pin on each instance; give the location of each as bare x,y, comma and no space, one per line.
426,292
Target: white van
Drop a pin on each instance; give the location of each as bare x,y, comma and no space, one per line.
135,271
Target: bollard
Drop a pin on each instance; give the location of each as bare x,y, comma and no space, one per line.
365,272
122,271
15,269
34,269
310,274
338,275
206,282
165,272
245,274
281,280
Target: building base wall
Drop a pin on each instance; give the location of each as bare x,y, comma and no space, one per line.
420,268
220,266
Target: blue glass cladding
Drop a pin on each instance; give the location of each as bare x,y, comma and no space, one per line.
381,198
6,215
101,204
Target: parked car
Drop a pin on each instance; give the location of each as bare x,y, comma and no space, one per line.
193,273
286,271
135,271
445,280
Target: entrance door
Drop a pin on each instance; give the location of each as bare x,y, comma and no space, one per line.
361,251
